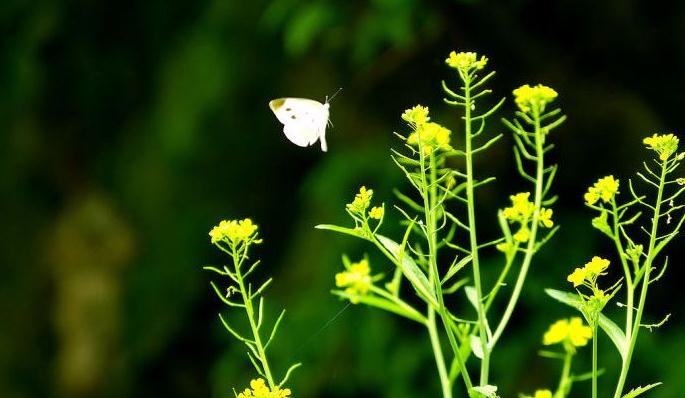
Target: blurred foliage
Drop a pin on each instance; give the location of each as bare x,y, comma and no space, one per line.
128,129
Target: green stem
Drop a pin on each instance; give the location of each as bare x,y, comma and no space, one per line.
471,204
645,284
630,289
500,280
594,359
563,388
437,353
249,309
530,247
429,195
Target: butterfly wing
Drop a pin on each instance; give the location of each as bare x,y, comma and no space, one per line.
304,120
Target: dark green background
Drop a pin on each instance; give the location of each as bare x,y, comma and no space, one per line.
128,129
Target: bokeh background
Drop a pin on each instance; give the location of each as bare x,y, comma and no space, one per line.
128,129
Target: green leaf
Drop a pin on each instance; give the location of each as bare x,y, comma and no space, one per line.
639,390
472,296
610,328
476,346
343,230
379,302
456,268
410,270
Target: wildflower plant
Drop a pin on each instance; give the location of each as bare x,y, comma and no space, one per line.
235,238
440,217
640,227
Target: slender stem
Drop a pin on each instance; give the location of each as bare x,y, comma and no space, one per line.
429,195
500,280
562,389
470,197
594,359
630,289
645,284
530,248
430,207
437,353
237,262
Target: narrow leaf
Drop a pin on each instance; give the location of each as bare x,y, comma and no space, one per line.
456,268
342,230
610,328
472,296
639,390
384,304
476,346
410,270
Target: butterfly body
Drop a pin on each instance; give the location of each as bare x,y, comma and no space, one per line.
304,120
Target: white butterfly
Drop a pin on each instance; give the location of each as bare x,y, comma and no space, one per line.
304,120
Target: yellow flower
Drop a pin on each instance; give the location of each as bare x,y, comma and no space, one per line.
546,217
521,208
522,235
556,333
578,333
533,98
504,247
356,280
466,61
596,266
417,115
233,231
577,277
430,136
543,394
568,330
259,389
376,212
591,196
665,144
361,201
605,188
510,213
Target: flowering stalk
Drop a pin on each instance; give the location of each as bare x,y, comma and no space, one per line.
570,334
636,263
235,238
531,102
435,226
665,147
466,75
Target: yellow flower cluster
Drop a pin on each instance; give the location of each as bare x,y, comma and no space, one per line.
361,201
533,98
356,279
605,189
540,394
543,394
233,231
417,115
427,135
376,212
521,210
430,137
568,330
665,145
589,272
466,61
259,389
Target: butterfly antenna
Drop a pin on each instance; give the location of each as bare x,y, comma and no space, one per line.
333,96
